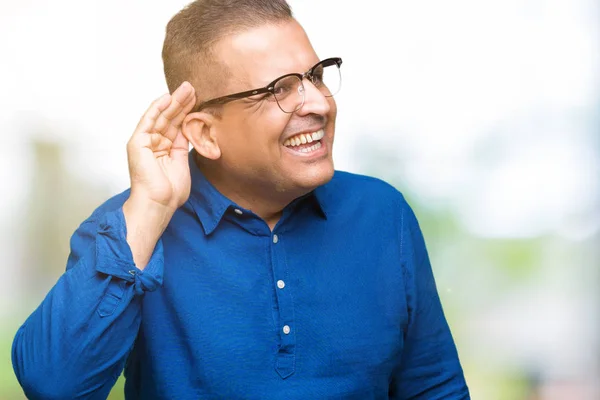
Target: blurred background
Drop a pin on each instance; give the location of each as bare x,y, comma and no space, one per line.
484,113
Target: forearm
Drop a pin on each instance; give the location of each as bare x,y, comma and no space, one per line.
76,342
66,349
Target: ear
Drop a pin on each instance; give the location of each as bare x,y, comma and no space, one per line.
200,129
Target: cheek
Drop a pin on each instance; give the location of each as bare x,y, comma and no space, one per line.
255,137
267,127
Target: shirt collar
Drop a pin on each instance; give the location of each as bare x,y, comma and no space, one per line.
210,205
319,200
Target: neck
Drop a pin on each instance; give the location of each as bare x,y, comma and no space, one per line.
266,202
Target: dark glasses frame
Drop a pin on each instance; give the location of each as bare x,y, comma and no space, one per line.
270,88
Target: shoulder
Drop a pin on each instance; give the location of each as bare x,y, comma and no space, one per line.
366,199
112,204
363,188
349,192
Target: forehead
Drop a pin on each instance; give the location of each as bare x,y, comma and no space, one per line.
259,55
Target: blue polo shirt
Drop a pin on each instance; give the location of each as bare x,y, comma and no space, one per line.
337,302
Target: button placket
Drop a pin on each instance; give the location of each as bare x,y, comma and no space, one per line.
285,359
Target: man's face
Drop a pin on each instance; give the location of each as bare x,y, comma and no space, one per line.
253,133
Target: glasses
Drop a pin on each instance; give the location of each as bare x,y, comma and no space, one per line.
288,90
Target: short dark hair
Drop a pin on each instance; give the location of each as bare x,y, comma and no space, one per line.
194,31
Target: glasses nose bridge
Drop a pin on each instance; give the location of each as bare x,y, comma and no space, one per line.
307,75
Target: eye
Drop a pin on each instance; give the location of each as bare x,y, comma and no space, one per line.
281,90
285,86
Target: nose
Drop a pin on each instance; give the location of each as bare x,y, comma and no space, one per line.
314,100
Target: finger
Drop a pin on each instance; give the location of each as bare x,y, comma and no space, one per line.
179,100
180,144
149,118
176,122
174,126
166,121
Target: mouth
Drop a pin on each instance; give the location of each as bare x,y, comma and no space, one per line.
306,143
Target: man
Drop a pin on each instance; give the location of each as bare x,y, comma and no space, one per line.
246,269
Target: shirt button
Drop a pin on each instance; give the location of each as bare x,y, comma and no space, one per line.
286,329
238,211
275,238
280,284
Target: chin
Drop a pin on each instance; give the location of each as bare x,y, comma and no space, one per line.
315,177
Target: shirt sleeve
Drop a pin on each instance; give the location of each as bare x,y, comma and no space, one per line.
429,368
75,344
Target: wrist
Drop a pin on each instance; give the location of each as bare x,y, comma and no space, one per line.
146,215
145,221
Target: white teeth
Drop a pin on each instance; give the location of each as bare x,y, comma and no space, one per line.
318,135
314,147
304,138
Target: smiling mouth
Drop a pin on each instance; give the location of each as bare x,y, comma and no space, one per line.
305,142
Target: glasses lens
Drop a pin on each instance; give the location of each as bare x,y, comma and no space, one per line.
327,78
289,93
